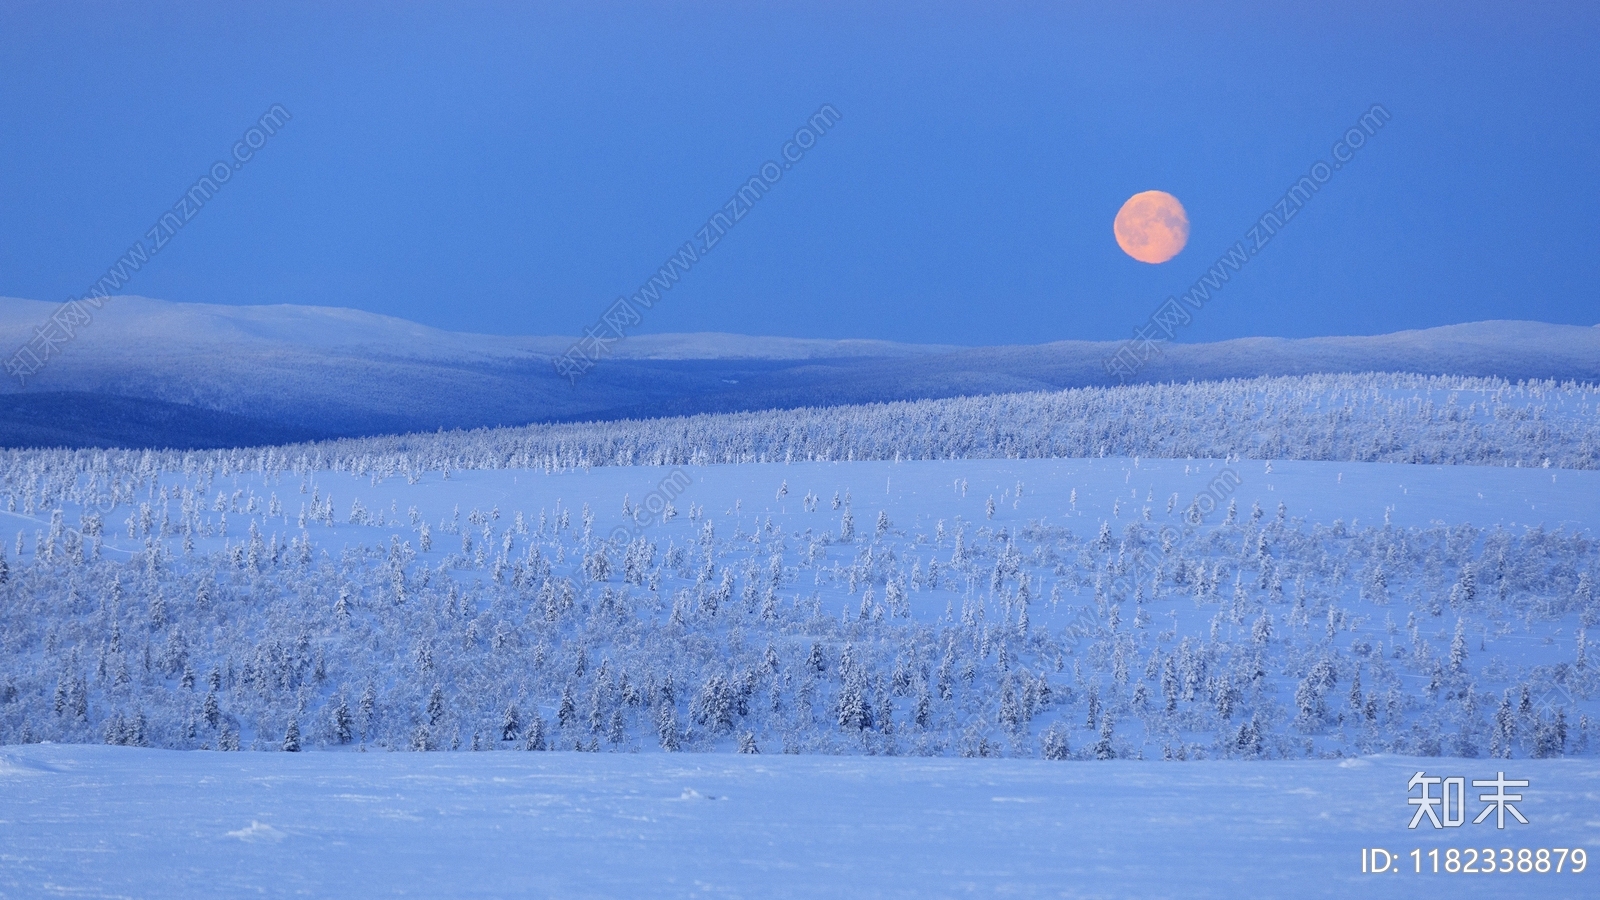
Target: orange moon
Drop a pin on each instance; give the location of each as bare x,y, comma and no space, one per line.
1152,227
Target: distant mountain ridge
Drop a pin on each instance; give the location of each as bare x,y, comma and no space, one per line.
132,323
153,373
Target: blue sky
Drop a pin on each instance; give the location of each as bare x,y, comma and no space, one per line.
511,170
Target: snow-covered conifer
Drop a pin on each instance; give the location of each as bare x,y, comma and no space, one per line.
343,725
1103,748
667,727
1054,744
533,735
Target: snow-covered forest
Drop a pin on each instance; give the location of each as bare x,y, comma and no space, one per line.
914,578
1371,418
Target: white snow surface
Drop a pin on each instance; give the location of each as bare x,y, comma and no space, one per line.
120,822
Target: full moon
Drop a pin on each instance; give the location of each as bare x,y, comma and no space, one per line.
1152,227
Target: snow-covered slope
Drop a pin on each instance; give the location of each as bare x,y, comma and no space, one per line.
332,372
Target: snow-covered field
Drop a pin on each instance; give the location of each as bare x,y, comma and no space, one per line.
988,607
123,822
956,664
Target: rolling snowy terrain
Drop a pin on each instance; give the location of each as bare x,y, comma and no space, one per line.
502,588
151,373
1261,603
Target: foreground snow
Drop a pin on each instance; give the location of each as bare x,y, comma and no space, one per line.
122,822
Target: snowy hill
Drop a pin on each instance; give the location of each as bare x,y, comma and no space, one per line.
135,326
250,375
